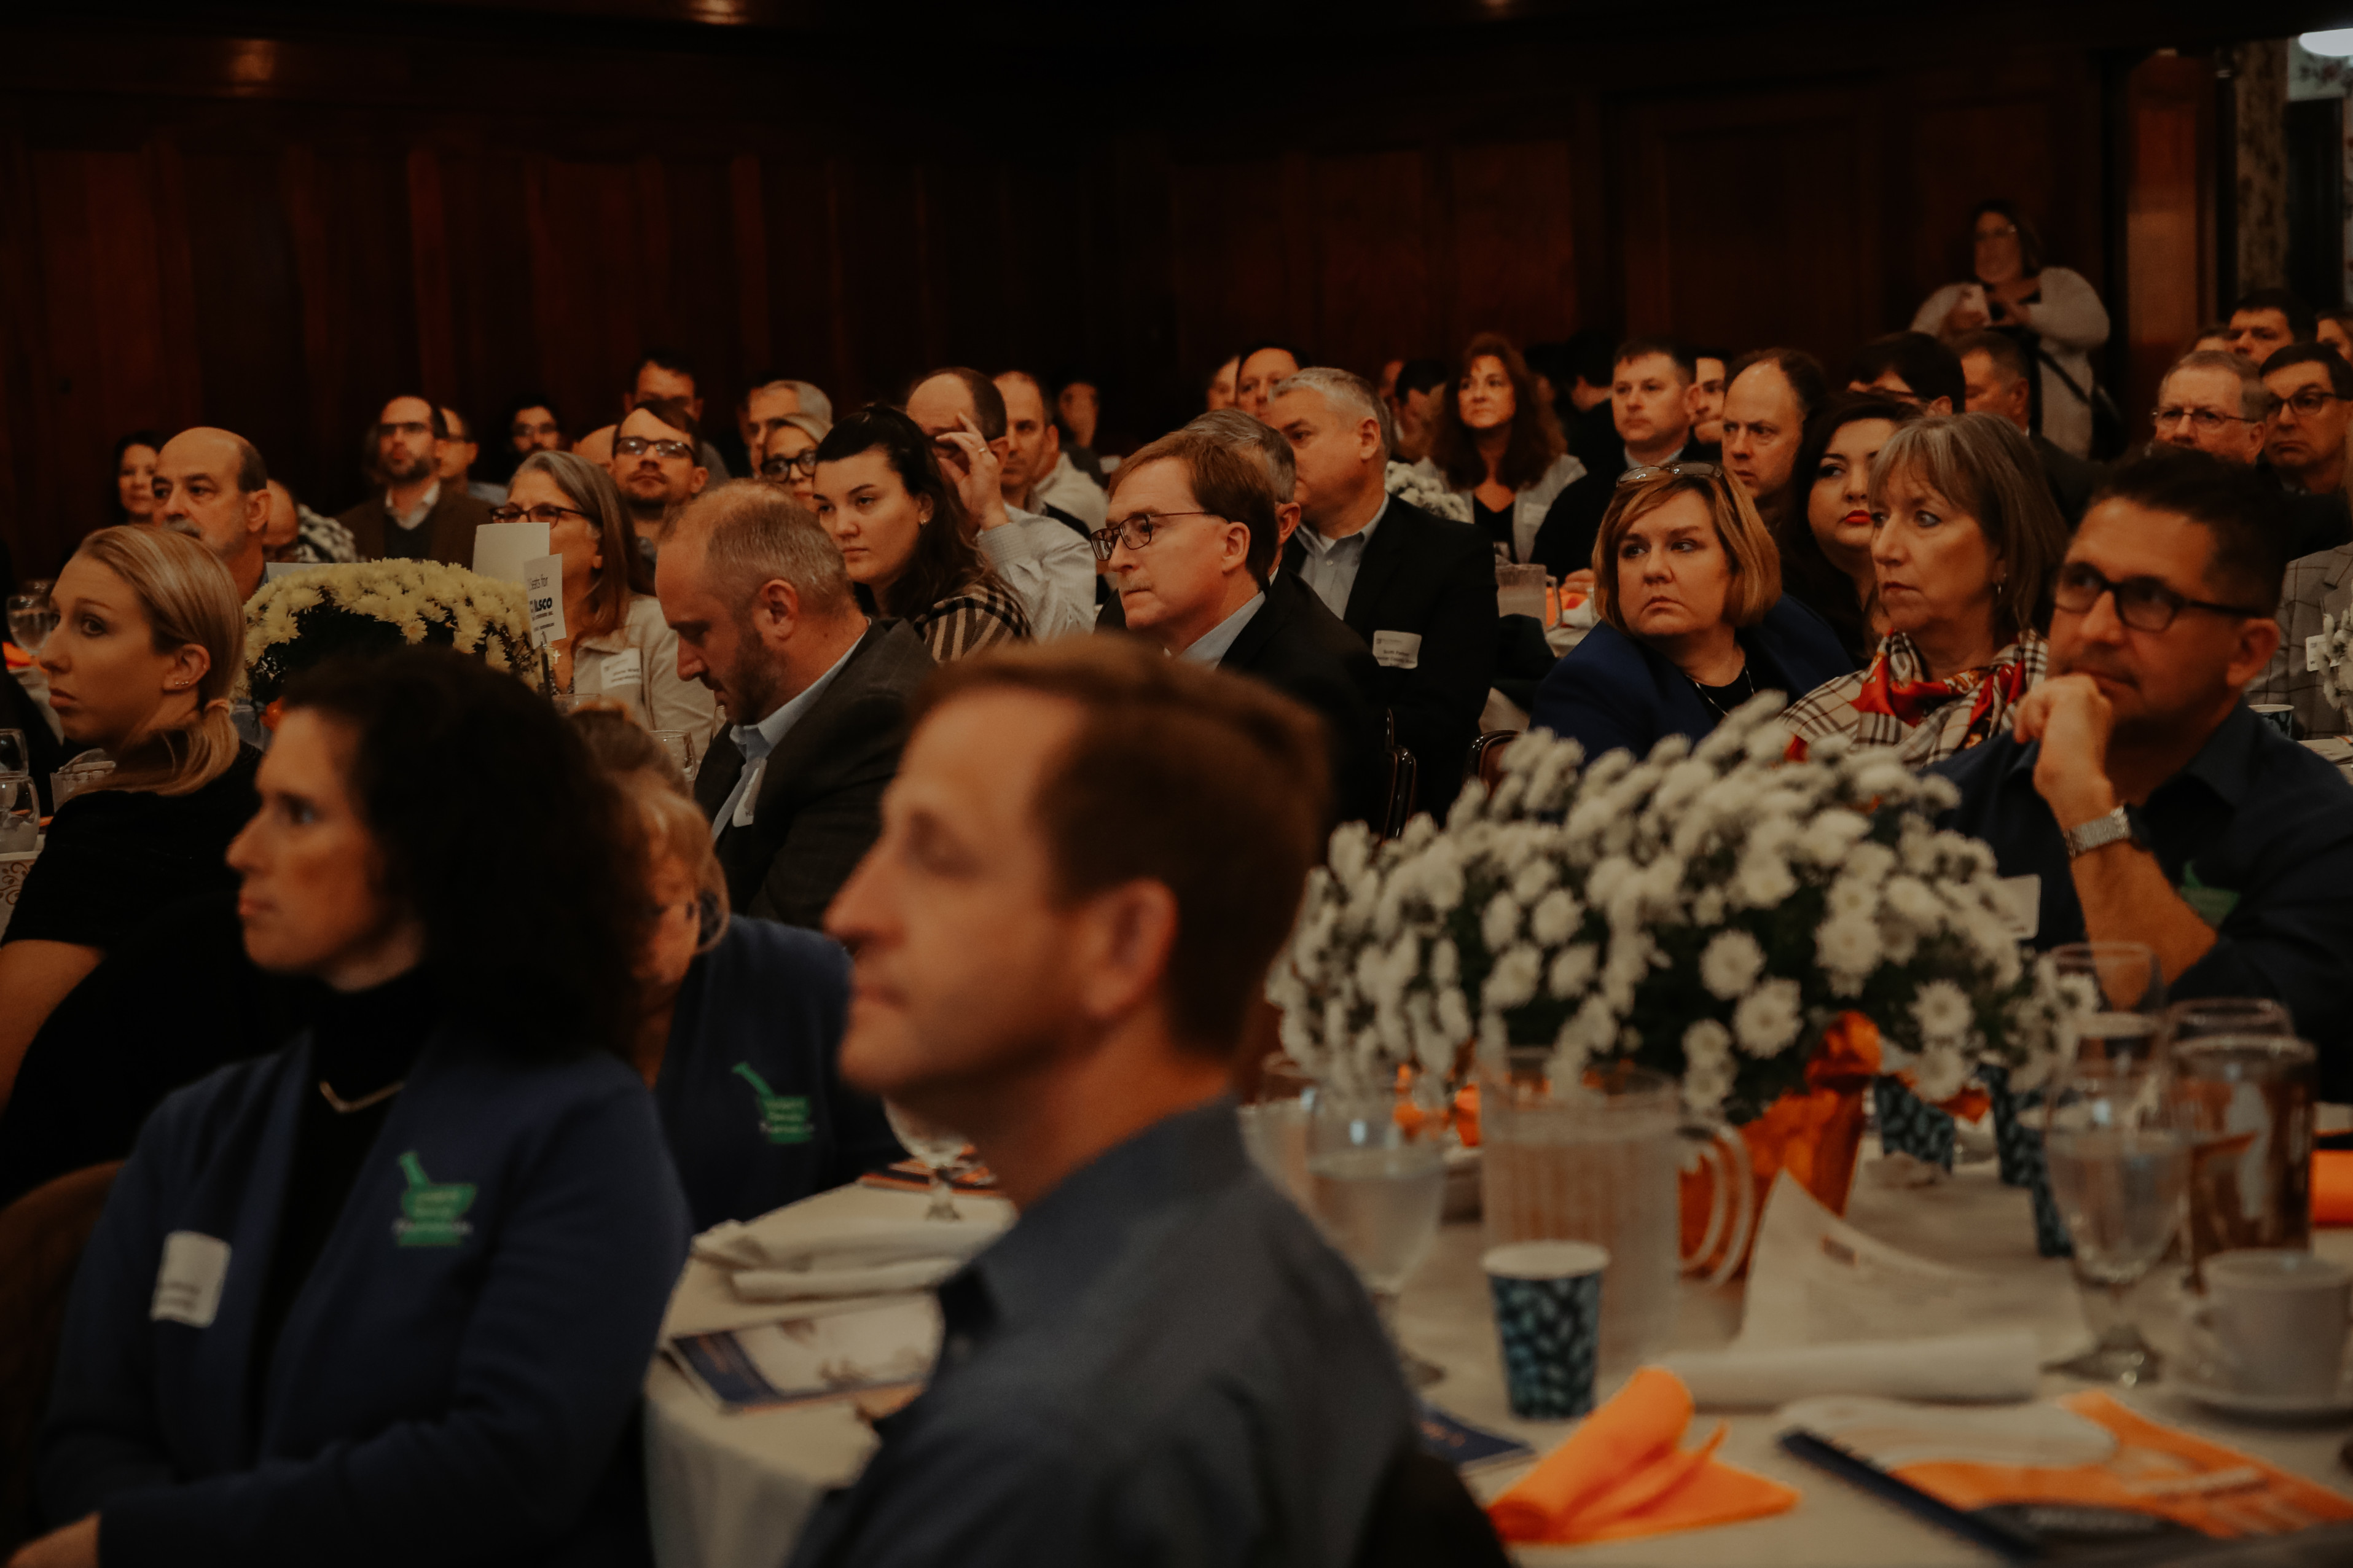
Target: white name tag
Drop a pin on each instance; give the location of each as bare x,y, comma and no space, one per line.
542,592
622,670
2314,653
188,1285
2023,895
1396,651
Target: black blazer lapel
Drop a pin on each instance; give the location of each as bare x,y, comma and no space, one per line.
721,765
1385,552
1251,640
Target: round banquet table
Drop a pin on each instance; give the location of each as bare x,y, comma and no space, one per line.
734,1491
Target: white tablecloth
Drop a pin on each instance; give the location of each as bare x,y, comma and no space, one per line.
732,1491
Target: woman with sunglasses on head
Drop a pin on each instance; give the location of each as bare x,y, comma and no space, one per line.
615,643
740,1019
905,539
1965,539
1687,585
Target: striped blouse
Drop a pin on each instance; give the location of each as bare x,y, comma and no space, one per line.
981,615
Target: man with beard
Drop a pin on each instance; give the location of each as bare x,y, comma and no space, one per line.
417,517
655,465
2146,800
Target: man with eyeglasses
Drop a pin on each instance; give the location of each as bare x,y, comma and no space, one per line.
417,517
2314,388
2145,799
654,464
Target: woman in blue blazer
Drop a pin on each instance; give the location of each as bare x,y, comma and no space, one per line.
1687,585
388,1295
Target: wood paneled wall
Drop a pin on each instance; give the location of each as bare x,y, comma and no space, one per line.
276,241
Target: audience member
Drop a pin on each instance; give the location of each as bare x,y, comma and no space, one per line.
1912,366
1078,408
738,1019
1191,546
1708,367
1994,368
667,376
1826,548
2052,314
2195,404
2315,586
281,527
1037,476
1965,540
316,540
1653,401
1257,369
149,641
1772,395
2214,338
1692,621
1049,571
2335,328
788,456
416,517
1498,445
1087,865
458,456
1421,405
816,695
210,485
653,462
2266,320
1418,590
767,407
446,1220
2312,404
532,426
616,644
2153,805
1219,391
903,537
134,473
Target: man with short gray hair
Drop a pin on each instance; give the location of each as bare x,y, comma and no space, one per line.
817,694
1418,590
2216,403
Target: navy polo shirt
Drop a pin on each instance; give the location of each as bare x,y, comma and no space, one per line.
2257,834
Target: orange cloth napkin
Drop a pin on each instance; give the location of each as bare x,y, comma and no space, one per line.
1624,1472
2332,1186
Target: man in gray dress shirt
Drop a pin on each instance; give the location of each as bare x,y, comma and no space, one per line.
1089,858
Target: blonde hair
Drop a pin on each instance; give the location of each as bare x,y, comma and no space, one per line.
671,825
1755,585
189,598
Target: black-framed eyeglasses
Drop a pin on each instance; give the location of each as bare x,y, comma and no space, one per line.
1137,531
2309,401
2143,603
638,445
1641,471
546,512
784,467
2209,420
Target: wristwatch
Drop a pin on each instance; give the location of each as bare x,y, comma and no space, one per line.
2099,833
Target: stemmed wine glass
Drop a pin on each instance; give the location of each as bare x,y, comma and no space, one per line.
938,1148
1377,1187
2118,1151
2123,993
31,618
679,745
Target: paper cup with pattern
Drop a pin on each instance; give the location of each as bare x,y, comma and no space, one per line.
1549,1315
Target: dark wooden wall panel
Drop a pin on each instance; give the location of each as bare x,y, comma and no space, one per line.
1515,261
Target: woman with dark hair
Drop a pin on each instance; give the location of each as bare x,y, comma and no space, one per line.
1498,444
1825,540
386,1295
2055,312
904,537
1966,544
615,643
134,478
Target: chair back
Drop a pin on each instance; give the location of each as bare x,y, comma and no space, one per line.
1404,773
42,1235
1486,760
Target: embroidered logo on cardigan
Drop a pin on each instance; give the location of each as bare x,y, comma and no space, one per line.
784,1117
432,1214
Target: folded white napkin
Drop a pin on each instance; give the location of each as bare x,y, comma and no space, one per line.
1976,1368
783,1257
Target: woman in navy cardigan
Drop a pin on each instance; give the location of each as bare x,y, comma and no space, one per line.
1687,585
388,1295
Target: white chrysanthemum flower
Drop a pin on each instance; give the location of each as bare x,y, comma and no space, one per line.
1606,876
1592,1029
1454,1014
1941,1010
1764,878
1501,924
1445,963
1512,981
1830,836
1556,917
1941,1072
1709,1070
1730,963
1529,884
1572,971
1870,861
1769,1017
1909,899
1850,898
1847,945
1709,907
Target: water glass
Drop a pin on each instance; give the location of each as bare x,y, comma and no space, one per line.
31,618
1378,1187
15,756
2118,1151
75,777
681,747
937,1147
2123,992
2247,1104
2211,1015
20,813
1275,1127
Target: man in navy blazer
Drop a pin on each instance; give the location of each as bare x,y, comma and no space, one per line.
1419,590
1654,399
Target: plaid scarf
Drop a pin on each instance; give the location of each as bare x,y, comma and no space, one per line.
1895,702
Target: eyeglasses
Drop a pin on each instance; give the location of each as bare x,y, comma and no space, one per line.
782,466
406,428
546,512
2311,400
1641,471
2004,232
2208,420
2143,603
638,445
1137,531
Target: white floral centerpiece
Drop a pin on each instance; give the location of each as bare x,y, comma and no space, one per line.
371,606
1708,912
1418,486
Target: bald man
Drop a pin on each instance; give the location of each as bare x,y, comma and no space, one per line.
212,486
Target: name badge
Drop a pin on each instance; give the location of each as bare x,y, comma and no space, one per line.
188,1285
2315,653
2023,902
1396,651
622,670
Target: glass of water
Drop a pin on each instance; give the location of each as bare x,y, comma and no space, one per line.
20,813
938,1148
2117,1145
2210,1017
681,747
2121,994
1377,1187
31,618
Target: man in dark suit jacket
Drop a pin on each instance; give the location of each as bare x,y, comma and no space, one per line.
1419,590
765,617
1993,372
1193,564
1652,403
416,517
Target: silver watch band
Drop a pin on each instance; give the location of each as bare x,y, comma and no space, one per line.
2098,833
